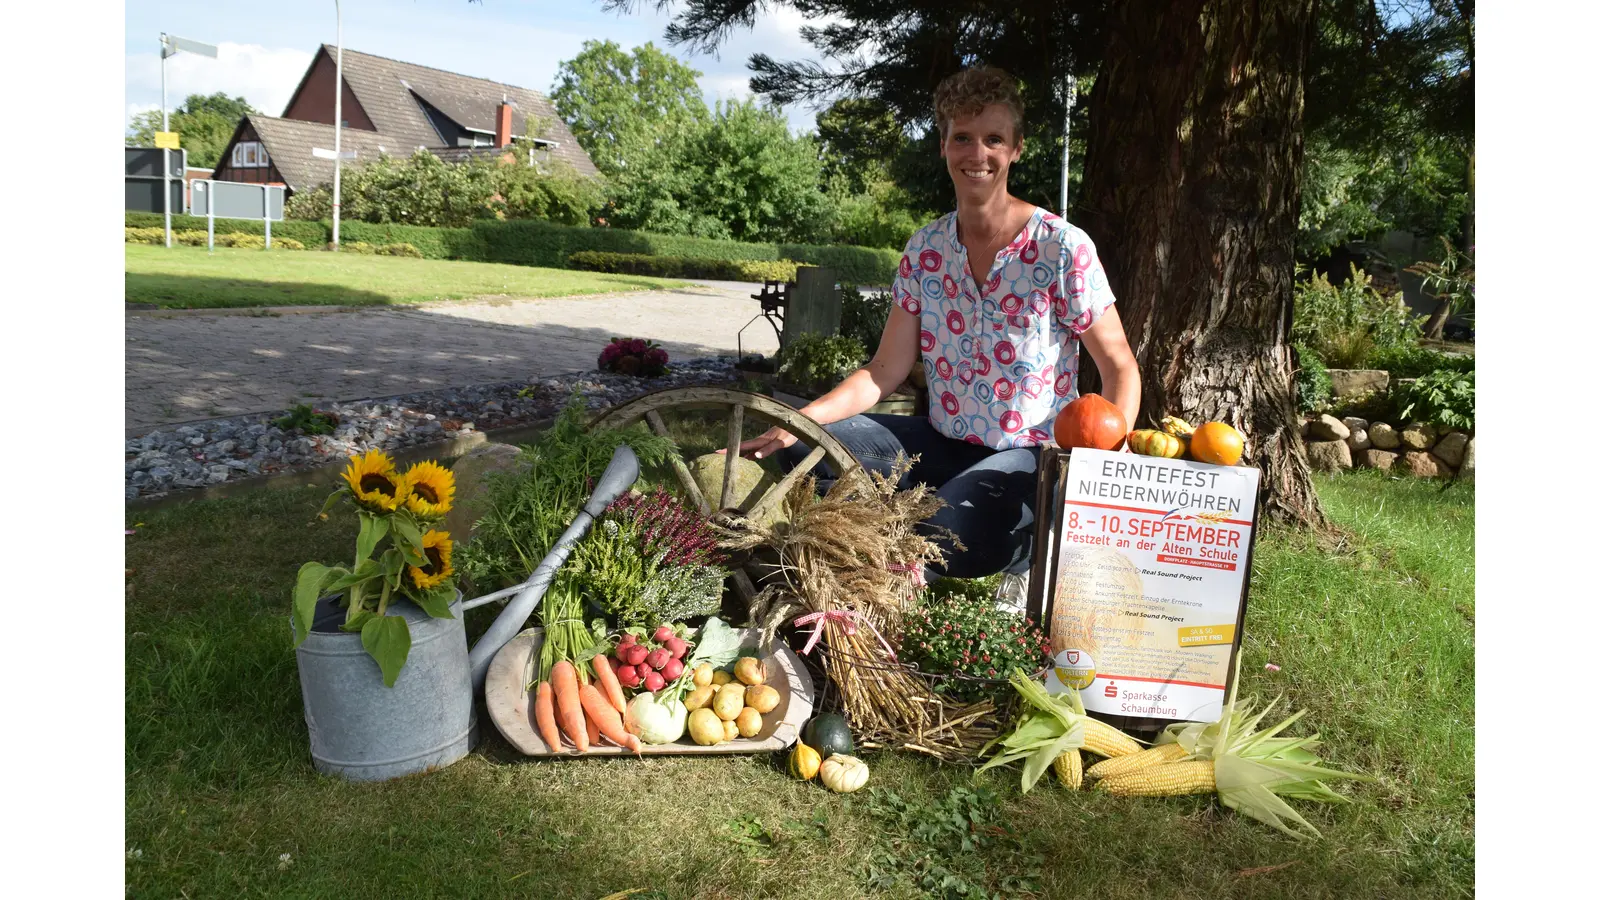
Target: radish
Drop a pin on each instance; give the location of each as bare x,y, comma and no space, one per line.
634,655
677,647
672,669
628,639
654,682
657,658
627,676
663,634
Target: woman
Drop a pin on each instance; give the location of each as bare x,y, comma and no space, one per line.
1001,355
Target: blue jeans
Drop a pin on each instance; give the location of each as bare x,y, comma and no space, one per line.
988,493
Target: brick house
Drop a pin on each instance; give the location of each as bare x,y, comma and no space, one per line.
392,107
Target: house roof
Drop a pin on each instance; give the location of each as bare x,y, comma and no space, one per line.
290,142
388,90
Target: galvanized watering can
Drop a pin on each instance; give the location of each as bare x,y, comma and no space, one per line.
363,731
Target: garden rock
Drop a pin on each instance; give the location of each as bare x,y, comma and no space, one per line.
1382,460
750,482
1425,465
1355,422
1358,440
1383,436
1327,428
1469,465
1350,382
471,473
1451,448
1419,436
1328,456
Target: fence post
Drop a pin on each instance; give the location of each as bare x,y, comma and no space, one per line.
211,221
266,212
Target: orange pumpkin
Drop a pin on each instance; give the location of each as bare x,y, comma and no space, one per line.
1218,443
1091,421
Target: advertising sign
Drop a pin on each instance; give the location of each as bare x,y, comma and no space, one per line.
1151,563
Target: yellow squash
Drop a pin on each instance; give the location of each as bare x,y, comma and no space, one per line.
1150,442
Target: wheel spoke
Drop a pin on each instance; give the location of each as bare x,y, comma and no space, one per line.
735,438
781,490
678,467
743,586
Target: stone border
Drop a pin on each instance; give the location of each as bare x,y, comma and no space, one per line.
1417,449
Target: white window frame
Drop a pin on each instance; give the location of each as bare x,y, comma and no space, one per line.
250,155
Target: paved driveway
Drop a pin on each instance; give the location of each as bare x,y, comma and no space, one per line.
193,365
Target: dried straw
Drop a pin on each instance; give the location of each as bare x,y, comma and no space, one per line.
852,550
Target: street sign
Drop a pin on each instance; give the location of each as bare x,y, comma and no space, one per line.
237,200
166,140
171,44
321,153
142,173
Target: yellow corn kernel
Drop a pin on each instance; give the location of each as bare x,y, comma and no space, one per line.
1153,756
1165,780
1069,768
1102,739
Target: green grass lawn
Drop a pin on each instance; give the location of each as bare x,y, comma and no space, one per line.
1374,636
191,278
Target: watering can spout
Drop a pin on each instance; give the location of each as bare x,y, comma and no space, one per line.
620,474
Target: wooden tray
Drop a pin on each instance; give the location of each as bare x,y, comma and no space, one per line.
506,697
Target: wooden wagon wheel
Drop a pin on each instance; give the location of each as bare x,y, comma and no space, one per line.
739,404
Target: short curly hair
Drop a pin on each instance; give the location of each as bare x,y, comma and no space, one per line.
968,91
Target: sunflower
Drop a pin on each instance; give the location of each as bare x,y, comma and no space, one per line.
373,482
433,489
437,546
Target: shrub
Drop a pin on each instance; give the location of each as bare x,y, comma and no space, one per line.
682,267
1442,398
143,235
818,362
401,249
311,234
1313,387
1414,362
1345,324
634,356
862,316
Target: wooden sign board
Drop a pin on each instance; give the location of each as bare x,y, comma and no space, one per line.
1141,570
166,140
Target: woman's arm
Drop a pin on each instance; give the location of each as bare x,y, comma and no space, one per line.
897,352
1119,371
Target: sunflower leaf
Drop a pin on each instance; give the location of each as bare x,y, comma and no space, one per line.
373,529
366,571
410,538
357,621
436,602
387,640
307,588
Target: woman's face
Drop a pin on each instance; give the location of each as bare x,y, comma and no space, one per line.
979,151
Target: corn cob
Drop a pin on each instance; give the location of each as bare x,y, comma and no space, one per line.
1154,756
1166,780
1069,768
1102,739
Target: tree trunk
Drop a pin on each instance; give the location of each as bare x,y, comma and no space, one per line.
1433,329
1191,192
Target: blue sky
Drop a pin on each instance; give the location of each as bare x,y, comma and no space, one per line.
265,47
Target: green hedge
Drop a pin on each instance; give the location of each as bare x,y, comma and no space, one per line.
683,267
537,243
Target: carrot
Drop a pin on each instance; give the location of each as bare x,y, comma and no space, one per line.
606,718
608,680
593,729
569,708
544,715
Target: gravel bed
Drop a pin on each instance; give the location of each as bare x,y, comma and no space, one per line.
185,457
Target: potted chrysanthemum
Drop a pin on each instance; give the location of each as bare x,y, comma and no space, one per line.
380,643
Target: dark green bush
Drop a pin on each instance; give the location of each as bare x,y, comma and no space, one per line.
683,267
862,316
1442,398
1313,387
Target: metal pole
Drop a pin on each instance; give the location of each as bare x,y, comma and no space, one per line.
166,169
211,222
1066,131
266,212
338,110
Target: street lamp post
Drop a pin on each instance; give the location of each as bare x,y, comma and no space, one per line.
338,110
169,46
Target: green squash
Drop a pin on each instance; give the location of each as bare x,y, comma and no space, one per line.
829,733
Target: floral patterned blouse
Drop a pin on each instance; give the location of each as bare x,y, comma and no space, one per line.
1002,358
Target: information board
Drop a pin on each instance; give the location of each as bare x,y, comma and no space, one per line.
1151,563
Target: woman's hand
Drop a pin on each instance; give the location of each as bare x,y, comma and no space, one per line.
769,442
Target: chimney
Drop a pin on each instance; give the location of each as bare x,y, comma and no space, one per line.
502,124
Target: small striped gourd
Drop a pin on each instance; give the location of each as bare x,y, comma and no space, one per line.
1150,442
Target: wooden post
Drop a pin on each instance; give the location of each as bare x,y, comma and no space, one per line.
813,304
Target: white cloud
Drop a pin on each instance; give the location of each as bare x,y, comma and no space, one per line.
264,76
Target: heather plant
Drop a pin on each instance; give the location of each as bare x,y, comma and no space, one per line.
650,561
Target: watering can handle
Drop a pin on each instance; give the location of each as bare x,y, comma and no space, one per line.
620,474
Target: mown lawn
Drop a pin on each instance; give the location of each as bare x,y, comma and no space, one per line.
191,278
1373,635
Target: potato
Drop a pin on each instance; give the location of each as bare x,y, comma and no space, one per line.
749,722
729,731
720,677
702,675
750,670
727,703
761,698
706,728
697,698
